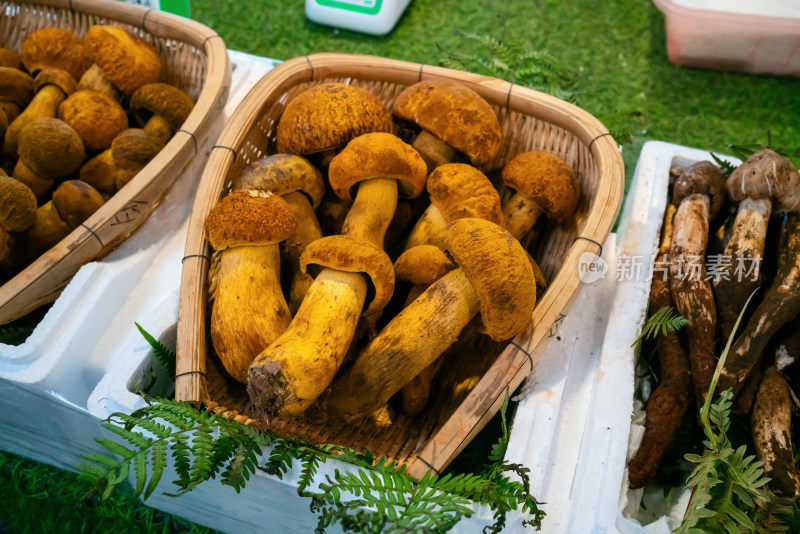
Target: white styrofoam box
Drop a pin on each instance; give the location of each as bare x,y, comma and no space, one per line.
639,231
89,330
742,35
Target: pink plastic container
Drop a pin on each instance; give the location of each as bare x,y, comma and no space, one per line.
739,35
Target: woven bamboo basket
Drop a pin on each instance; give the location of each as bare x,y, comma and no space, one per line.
195,60
473,390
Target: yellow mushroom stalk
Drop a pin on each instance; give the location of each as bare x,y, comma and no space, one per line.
291,373
494,277
544,183
249,309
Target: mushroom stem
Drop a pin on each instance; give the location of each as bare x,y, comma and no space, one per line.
372,210
289,375
428,229
772,419
94,79
691,292
308,230
520,214
246,281
159,127
434,151
44,104
781,304
40,185
746,244
11,110
411,341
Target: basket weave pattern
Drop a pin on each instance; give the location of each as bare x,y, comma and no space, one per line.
388,431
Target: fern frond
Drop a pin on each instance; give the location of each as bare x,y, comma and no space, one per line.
164,356
661,322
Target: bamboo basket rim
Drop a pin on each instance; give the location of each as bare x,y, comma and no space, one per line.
519,357
15,301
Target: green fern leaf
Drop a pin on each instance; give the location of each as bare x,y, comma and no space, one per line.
164,356
661,322
140,471
159,462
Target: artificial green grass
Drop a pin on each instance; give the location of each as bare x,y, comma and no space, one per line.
616,50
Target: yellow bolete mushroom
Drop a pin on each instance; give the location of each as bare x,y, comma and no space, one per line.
130,151
52,87
16,91
249,309
301,185
543,183
289,375
9,58
49,149
456,191
121,61
17,205
72,203
161,109
421,265
453,118
494,277
54,48
96,117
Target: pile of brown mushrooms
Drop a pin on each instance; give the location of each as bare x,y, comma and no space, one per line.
79,117
361,210
753,246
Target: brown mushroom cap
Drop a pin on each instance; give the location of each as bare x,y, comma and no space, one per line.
55,48
767,174
343,253
459,190
328,116
96,117
9,58
50,147
455,114
378,155
100,172
131,150
423,264
60,78
547,180
6,248
283,174
127,61
164,100
75,201
702,178
17,205
15,87
498,268
249,218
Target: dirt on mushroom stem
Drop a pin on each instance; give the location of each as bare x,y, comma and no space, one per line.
781,304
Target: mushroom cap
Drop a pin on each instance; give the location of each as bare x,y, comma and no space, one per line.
701,178
9,58
54,48
127,61
498,268
547,180
131,150
164,100
50,147
378,155
75,201
767,174
251,217
344,253
423,264
60,78
96,117
455,114
17,205
15,86
459,190
328,116
6,248
283,174
100,172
